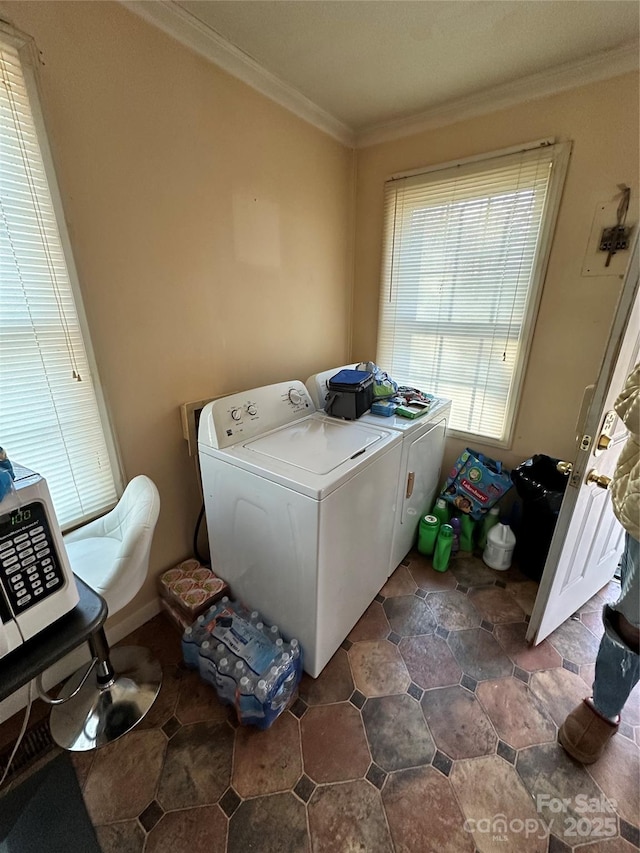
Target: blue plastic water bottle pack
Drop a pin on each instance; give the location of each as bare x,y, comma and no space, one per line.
245,660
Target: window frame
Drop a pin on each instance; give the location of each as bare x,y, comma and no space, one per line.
29,59
560,163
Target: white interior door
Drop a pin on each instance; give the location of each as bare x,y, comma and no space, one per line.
588,539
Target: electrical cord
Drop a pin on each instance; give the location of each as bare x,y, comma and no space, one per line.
27,714
196,551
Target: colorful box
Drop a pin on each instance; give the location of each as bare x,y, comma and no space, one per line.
476,483
191,588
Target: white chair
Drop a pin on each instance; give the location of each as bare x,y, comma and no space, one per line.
111,555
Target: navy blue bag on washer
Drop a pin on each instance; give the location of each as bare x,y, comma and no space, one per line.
350,394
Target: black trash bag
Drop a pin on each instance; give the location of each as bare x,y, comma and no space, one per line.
541,488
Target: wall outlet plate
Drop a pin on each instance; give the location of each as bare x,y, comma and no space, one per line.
190,416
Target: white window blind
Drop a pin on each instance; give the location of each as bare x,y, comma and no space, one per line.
463,258
50,419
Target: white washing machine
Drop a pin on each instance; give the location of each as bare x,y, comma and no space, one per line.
300,511
419,468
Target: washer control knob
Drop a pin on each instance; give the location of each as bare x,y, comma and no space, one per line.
294,396
236,414
251,409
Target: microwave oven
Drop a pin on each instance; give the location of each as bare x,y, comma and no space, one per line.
37,585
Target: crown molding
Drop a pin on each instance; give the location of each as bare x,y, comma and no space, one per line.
571,75
191,32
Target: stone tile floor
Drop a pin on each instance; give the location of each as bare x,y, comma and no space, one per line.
433,728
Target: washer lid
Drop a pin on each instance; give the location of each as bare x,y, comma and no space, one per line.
316,445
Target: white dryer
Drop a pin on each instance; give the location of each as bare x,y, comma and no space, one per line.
419,468
300,511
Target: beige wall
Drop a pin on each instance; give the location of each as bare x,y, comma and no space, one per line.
211,231
575,310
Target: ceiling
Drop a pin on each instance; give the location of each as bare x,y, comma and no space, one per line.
370,63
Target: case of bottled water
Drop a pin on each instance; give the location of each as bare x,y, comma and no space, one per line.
246,661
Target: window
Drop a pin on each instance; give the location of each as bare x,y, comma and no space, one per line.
463,261
51,412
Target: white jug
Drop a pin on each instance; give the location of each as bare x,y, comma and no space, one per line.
500,545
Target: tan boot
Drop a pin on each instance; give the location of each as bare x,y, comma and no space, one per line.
585,733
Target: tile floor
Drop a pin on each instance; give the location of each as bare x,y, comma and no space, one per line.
433,719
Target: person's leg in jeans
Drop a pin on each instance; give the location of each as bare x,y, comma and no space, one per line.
588,728
617,666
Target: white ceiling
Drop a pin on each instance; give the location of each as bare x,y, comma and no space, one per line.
368,63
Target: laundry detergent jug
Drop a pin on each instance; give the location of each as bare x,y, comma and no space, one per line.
500,545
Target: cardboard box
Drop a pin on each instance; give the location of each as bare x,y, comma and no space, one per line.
191,588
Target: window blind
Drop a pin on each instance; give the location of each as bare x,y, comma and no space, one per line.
50,419
461,266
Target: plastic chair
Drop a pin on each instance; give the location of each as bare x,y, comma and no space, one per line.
111,554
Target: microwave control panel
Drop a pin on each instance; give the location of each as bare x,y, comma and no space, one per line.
29,567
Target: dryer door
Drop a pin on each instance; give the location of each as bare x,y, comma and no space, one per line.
418,486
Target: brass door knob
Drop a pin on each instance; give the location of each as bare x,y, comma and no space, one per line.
598,479
603,442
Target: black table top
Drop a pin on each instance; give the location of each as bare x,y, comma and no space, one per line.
54,642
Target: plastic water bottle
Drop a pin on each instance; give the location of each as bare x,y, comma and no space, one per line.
499,550
284,691
249,707
225,682
254,617
274,633
280,665
441,511
261,691
427,534
200,628
206,665
208,661
190,647
467,530
443,548
239,670
490,520
455,539
266,630
294,649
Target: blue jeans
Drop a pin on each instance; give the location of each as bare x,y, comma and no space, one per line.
617,667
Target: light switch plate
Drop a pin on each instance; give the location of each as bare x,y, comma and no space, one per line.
605,216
